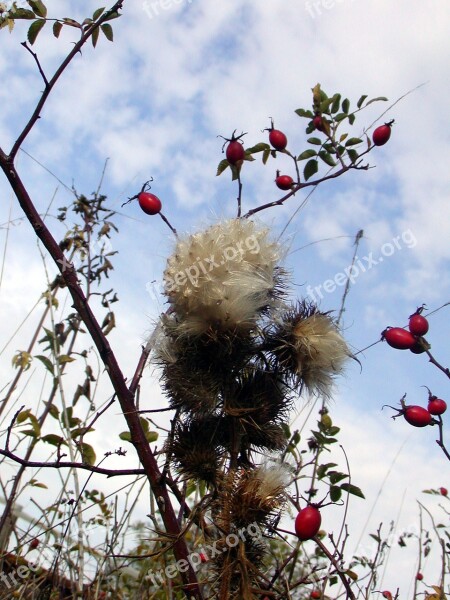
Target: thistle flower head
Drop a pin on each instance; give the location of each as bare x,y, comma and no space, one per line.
258,493
223,277
310,345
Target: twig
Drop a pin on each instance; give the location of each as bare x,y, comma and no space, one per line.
301,186
440,441
35,56
166,221
50,84
445,370
339,572
11,425
68,465
239,196
358,238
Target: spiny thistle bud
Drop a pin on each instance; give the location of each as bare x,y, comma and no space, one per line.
195,449
223,277
309,344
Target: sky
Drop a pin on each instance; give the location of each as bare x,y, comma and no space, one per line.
151,104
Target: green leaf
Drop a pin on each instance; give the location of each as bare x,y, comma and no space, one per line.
378,99
57,26
346,105
151,436
224,164
327,158
23,13
352,489
343,137
235,170
322,469
266,155
71,22
35,425
261,147
38,7
79,431
340,117
311,168
335,104
95,36
351,118
97,13
353,142
315,141
125,436
325,105
23,416
144,424
113,15
320,438
67,417
29,432
34,30
336,477
108,31
87,453
301,112
37,484
307,154
335,493
53,439
361,101
353,155
65,358
334,430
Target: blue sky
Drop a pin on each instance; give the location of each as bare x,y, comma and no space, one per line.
180,73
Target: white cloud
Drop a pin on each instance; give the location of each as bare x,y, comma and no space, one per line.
154,102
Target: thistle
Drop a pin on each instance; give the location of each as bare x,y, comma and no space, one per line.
223,277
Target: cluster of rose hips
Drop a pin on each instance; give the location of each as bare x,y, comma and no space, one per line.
235,153
419,416
402,339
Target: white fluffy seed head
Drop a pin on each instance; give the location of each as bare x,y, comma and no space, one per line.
222,277
320,352
272,480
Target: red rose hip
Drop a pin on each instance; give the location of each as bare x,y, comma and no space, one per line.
235,152
318,123
436,406
417,416
278,139
382,134
149,203
418,325
399,338
284,182
307,523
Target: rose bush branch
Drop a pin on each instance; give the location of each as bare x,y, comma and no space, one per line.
81,305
